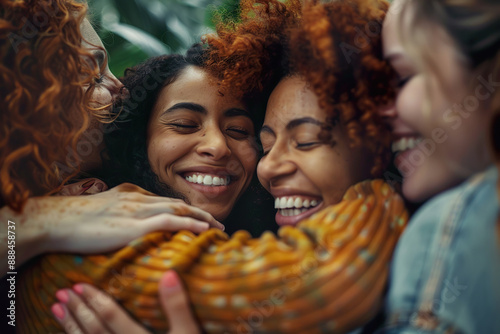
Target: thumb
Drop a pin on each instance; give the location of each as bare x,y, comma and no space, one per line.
175,303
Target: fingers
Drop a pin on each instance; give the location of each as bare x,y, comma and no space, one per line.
175,303
66,320
183,210
168,222
89,310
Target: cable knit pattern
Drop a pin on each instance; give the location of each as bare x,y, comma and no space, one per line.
328,274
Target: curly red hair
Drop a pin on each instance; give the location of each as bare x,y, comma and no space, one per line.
43,71
335,46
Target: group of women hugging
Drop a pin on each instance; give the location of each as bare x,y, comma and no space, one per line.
120,190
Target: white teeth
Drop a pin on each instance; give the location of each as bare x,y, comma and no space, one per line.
291,212
294,202
208,180
405,143
298,202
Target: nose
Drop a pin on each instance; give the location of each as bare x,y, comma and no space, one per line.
113,85
213,144
274,166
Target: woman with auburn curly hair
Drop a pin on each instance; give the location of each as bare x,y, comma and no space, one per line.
56,88
325,273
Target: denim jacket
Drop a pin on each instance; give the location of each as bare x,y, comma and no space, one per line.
445,276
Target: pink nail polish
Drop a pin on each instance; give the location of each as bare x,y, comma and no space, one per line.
78,288
58,311
63,296
170,280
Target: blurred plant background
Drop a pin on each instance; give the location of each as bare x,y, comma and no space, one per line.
134,30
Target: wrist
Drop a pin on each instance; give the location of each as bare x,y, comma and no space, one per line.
31,235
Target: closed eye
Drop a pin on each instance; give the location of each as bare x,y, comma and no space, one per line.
238,133
99,79
183,128
306,145
402,82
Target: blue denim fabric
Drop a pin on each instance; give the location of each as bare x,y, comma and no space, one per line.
445,276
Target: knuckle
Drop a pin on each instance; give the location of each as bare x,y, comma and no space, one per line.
108,314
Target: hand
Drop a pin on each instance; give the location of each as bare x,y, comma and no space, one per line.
88,310
84,187
97,223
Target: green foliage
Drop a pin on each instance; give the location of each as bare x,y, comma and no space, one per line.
227,11
134,30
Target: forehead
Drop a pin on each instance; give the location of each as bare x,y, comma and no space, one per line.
292,98
90,37
195,85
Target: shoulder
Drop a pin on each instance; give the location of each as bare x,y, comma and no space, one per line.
447,262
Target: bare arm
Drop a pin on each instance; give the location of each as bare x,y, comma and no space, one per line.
95,223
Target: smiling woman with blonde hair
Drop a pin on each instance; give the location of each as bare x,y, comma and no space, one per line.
446,268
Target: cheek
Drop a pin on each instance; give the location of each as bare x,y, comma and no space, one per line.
100,97
163,150
344,168
263,181
246,153
410,100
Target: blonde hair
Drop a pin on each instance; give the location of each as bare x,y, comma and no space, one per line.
474,28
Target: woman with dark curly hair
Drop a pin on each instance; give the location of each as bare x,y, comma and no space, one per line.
327,273
56,89
176,135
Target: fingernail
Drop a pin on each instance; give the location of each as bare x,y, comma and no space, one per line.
99,186
78,288
58,311
88,184
170,280
63,296
222,227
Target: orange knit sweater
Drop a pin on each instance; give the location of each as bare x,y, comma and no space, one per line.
327,274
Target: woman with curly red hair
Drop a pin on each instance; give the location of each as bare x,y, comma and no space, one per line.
55,90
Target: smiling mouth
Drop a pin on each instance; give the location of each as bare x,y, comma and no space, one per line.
406,143
208,179
294,205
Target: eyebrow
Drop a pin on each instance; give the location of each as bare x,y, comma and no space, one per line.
232,112
266,129
293,124
299,121
186,105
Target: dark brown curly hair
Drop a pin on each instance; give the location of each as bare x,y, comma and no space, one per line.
43,70
334,45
